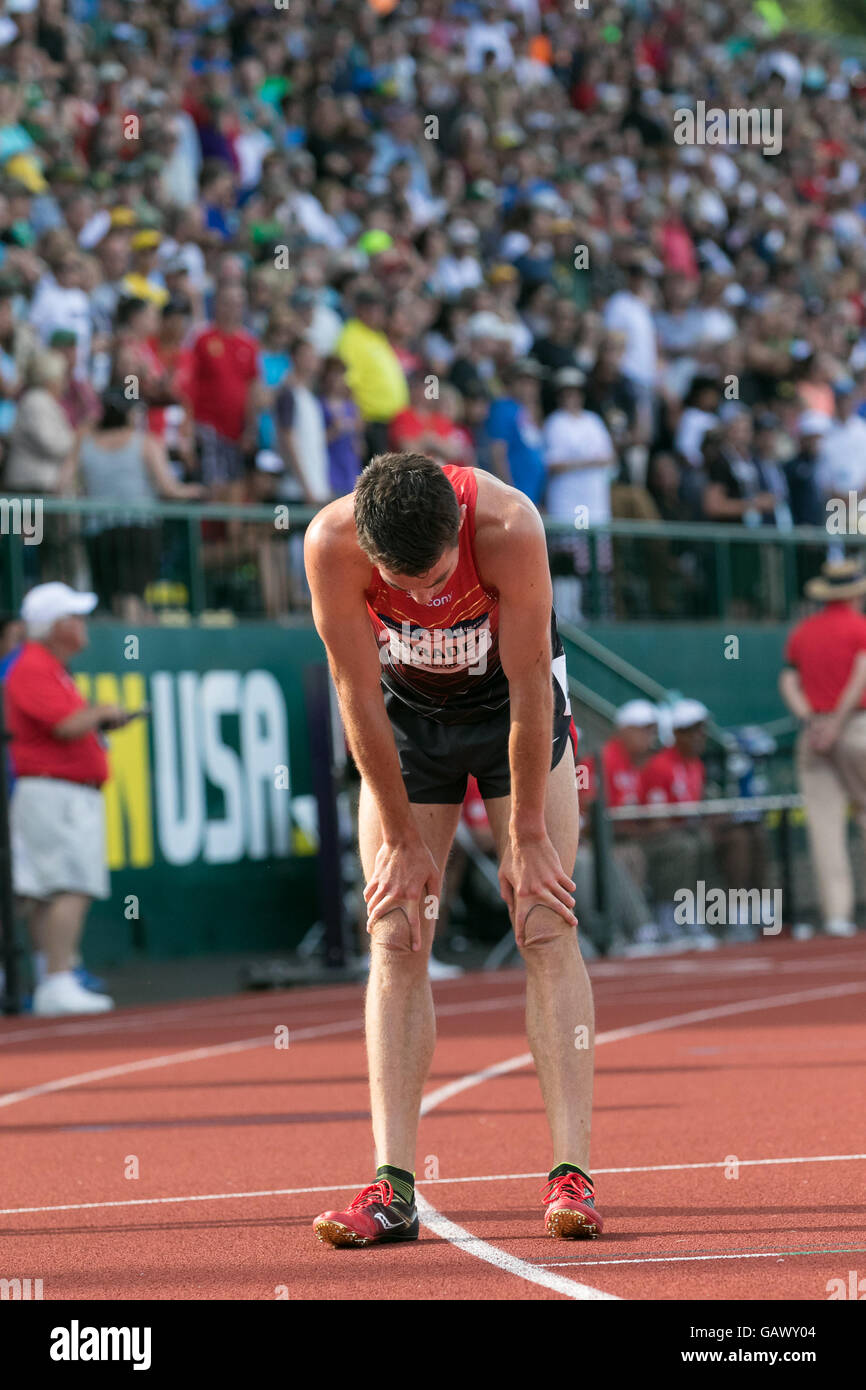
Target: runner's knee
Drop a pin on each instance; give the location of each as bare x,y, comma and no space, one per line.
392,932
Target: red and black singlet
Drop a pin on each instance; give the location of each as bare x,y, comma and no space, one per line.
442,658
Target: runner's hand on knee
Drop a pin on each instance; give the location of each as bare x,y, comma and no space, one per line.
404,876
532,875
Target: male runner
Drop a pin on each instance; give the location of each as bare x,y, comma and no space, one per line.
432,594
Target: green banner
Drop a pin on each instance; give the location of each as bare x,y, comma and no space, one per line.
211,822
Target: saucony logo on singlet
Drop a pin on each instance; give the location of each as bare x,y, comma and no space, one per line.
437,602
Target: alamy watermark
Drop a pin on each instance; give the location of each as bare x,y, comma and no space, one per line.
443,648
739,125
720,907
22,516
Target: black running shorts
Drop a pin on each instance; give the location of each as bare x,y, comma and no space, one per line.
436,759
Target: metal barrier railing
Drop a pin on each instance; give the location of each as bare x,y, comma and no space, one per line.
248,560
602,820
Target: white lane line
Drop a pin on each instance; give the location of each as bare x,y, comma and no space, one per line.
679,1259
653,1025
510,1264
435,1098
198,1054
426,1182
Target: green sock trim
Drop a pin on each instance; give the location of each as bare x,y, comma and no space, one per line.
562,1168
402,1182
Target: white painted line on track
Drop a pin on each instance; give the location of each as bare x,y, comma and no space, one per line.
510,1264
433,1099
681,1259
426,1182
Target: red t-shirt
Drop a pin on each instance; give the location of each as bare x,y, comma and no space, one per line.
223,367
409,425
668,777
39,694
822,649
176,364
621,775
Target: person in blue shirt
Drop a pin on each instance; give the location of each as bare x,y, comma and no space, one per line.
11,642
514,430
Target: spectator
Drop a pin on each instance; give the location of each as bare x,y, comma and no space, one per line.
171,419
823,684
57,815
79,400
225,364
514,426
423,427
843,449
301,437
373,371
629,312
343,428
42,438
679,853
622,759
802,472
580,456
60,301
698,418
117,462
734,489
12,633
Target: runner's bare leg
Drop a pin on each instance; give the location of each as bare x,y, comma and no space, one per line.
400,1025
558,992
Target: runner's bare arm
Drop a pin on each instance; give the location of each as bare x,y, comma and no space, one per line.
338,572
512,556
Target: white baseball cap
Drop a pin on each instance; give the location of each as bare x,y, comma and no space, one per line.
686,713
636,714
48,603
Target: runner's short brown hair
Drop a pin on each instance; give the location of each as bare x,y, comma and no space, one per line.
406,513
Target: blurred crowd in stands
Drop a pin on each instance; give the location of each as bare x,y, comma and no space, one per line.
246,246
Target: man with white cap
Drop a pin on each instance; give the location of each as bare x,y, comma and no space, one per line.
678,853
824,686
622,759
624,755
57,817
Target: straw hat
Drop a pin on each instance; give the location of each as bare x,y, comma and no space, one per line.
839,579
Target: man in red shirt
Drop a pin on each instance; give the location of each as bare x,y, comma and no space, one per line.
679,852
423,427
824,686
624,755
57,818
623,758
225,364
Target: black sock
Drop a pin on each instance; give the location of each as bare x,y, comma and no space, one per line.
402,1182
562,1168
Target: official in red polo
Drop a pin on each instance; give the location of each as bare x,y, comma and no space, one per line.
679,852
57,818
823,683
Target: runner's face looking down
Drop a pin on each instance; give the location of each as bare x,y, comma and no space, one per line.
421,588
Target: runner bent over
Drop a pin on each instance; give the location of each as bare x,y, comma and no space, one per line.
431,592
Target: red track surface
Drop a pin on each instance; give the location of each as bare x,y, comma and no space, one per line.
240,1143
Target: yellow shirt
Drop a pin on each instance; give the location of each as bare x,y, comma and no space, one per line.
373,372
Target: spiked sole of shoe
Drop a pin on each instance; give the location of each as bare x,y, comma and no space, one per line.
336,1234
571,1225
